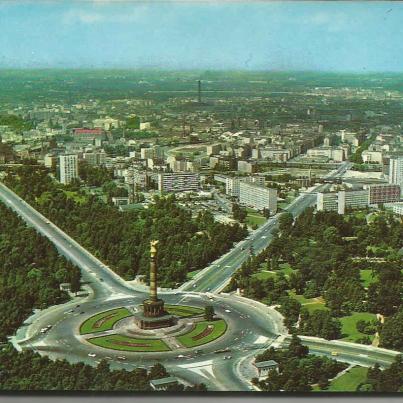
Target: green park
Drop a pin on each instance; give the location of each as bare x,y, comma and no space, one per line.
103,321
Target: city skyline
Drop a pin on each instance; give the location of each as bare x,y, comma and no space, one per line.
289,36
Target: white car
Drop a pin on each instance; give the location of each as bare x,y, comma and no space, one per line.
44,330
92,355
227,310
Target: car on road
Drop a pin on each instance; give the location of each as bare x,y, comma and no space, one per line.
194,285
101,279
227,357
44,330
82,312
121,357
334,353
228,311
92,355
180,356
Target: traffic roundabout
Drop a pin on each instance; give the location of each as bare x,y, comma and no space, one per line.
117,329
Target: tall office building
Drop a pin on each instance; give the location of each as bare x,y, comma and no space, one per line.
396,172
68,165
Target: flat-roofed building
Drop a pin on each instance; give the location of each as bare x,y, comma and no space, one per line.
68,168
163,383
396,172
258,197
264,367
352,199
342,200
178,181
326,201
95,158
379,194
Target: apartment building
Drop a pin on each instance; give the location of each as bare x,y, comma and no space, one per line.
258,197
68,168
379,194
396,172
178,181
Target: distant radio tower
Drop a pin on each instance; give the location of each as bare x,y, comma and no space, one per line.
199,91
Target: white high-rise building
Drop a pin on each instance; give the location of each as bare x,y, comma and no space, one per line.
258,197
68,165
178,182
396,172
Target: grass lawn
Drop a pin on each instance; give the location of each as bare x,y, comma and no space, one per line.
203,334
183,310
254,218
314,306
103,321
126,343
264,273
348,323
311,304
366,277
349,381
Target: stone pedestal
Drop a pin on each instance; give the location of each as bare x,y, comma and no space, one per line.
157,322
153,308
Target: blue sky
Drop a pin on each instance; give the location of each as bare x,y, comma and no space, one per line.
325,36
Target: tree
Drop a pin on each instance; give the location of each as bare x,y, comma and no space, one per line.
157,371
286,221
321,324
238,213
392,331
209,312
296,349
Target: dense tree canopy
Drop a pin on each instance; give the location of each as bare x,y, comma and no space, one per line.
31,271
327,252
298,370
121,239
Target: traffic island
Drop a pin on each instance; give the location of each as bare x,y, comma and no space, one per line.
184,311
203,333
126,343
104,320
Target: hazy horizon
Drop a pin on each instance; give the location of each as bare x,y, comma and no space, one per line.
333,37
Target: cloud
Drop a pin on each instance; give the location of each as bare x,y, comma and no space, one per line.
83,17
111,13
332,21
